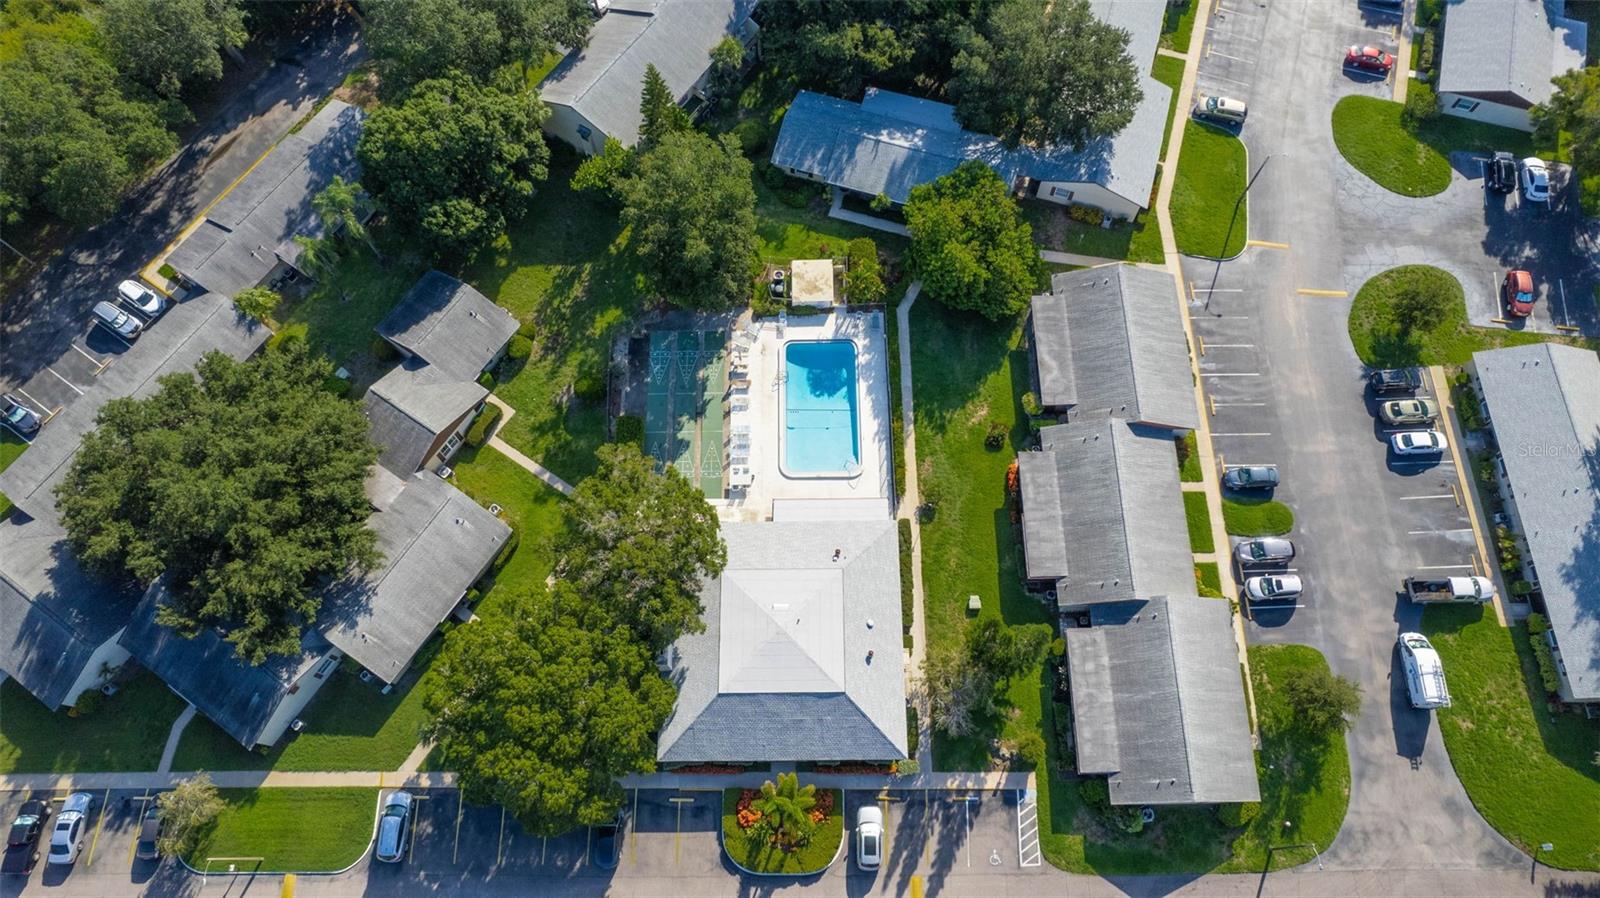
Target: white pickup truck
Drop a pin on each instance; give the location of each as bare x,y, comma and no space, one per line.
1450,589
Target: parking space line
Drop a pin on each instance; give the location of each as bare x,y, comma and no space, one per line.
64,380
677,834
411,846
456,850
1231,404
1415,498
1214,75
98,826
41,406
1267,244
1234,58
544,849
99,364
1445,567
588,842
500,842
1307,291
1230,374
1230,345
138,822
1449,530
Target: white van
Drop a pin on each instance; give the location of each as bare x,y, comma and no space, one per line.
1424,672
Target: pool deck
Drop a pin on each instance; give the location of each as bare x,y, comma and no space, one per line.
764,415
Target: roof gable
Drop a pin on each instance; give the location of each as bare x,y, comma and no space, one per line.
449,325
1510,48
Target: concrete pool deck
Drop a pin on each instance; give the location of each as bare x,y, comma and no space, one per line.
765,392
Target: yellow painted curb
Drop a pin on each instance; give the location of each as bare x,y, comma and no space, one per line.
1307,291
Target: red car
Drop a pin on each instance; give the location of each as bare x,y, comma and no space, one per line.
1370,59
1518,290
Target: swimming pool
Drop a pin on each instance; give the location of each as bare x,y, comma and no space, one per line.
821,424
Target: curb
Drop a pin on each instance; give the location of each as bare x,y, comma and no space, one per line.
1246,199
377,813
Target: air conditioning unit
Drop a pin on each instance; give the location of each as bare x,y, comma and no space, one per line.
445,471
494,508
297,726
366,676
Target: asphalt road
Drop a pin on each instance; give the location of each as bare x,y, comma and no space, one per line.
39,323
1290,392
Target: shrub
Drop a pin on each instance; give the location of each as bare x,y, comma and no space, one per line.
89,701
590,386
336,385
1096,793
527,329
1061,728
1058,647
630,430
1549,677
774,177
996,437
507,550
1521,588
1429,12
752,134
289,333
168,272
913,729
907,599
519,348
257,302
1537,624
1237,815
1088,215
486,380
1429,52
863,279
881,203
1422,104
1030,404
384,350
1030,748
478,433
1098,796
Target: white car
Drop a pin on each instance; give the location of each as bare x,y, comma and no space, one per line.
1274,588
1535,178
66,840
869,838
1424,672
1418,442
141,299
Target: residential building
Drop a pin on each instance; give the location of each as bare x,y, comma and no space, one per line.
248,237
1497,57
1109,340
888,143
449,325
801,658
594,92
1543,403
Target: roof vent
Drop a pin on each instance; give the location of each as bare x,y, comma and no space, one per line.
460,521
870,624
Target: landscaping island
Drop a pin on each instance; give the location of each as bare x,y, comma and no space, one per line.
755,849
289,830
1210,216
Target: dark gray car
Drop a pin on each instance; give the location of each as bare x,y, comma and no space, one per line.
1265,551
18,416
1251,477
149,835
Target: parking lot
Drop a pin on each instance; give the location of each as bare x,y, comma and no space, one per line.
112,829
57,384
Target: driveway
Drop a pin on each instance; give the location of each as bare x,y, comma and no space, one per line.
43,317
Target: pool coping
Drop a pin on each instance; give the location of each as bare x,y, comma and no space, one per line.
783,409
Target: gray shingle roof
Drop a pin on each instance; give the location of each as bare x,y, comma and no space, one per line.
1110,340
254,226
603,81
1508,47
1099,506
1545,404
1158,703
408,408
236,696
449,325
782,672
436,542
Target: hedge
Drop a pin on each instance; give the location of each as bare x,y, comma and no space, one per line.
519,348
1548,677
507,550
907,598
478,433
630,430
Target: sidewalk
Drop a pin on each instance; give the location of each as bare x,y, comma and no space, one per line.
511,452
225,779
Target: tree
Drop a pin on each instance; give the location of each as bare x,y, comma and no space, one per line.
692,211
957,692
168,45
1419,306
419,40
607,172
340,206
1003,652
187,810
841,46
1045,73
969,243
640,544
659,111
785,807
863,280
317,256
542,708
1321,701
1572,115
257,302
727,58
240,486
456,160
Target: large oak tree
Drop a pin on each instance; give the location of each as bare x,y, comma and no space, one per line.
417,40
969,243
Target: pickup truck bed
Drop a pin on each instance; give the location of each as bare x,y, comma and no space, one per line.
1450,589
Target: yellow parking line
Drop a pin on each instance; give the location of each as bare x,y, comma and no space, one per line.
138,822
98,825
209,206
1269,244
1307,291
633,844
499,843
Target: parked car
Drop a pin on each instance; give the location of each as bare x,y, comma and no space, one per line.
1418,442
1408,411
1424,672
66,840
1535,180
141,299
1449,589
869,837
1273,588
608,842
18,417
116,320
1369,59
779,286
393,828
22,841
1395,380
1251,477
1224,110
1264,551
1501,174
1517,292
149,835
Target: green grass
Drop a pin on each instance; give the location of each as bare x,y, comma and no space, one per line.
1178,26
1135,241
786,233
1199,519
1530,772
1255,516
1451,341
1303,779
1189,470
761,857
291,830
1209,216
345,304
1169,71
127,732
1413,159
526,503
1208,579
11,446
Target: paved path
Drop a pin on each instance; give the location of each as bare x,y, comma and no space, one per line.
908,510
837,210
173,737
1061,258
225,779
515,455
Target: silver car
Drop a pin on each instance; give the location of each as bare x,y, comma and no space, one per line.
1223,110
393,828
1264,551
141,299
116,320
1408,411
1273,588
66,840
869,838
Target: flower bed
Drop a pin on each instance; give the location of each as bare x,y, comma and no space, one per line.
752,849
889,769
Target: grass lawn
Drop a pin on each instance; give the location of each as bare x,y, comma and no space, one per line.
128,731
1507,748
1413,159
787,233
1199,518
338,316
1169,71
761,857
528,504
1189,469
1209,217
272,824
1451,341
1208,579
11,446
1256,516
1135,241
1177,27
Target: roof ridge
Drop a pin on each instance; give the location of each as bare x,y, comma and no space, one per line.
1177,691
1127,330
649,15
1122,504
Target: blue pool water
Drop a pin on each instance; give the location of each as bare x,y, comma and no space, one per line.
821,430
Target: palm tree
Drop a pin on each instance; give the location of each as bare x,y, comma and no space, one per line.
339,205
317,254
788,806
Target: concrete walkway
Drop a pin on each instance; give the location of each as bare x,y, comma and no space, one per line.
959,782
908,510
1061,258
515,455
837,210
225,779
174,735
